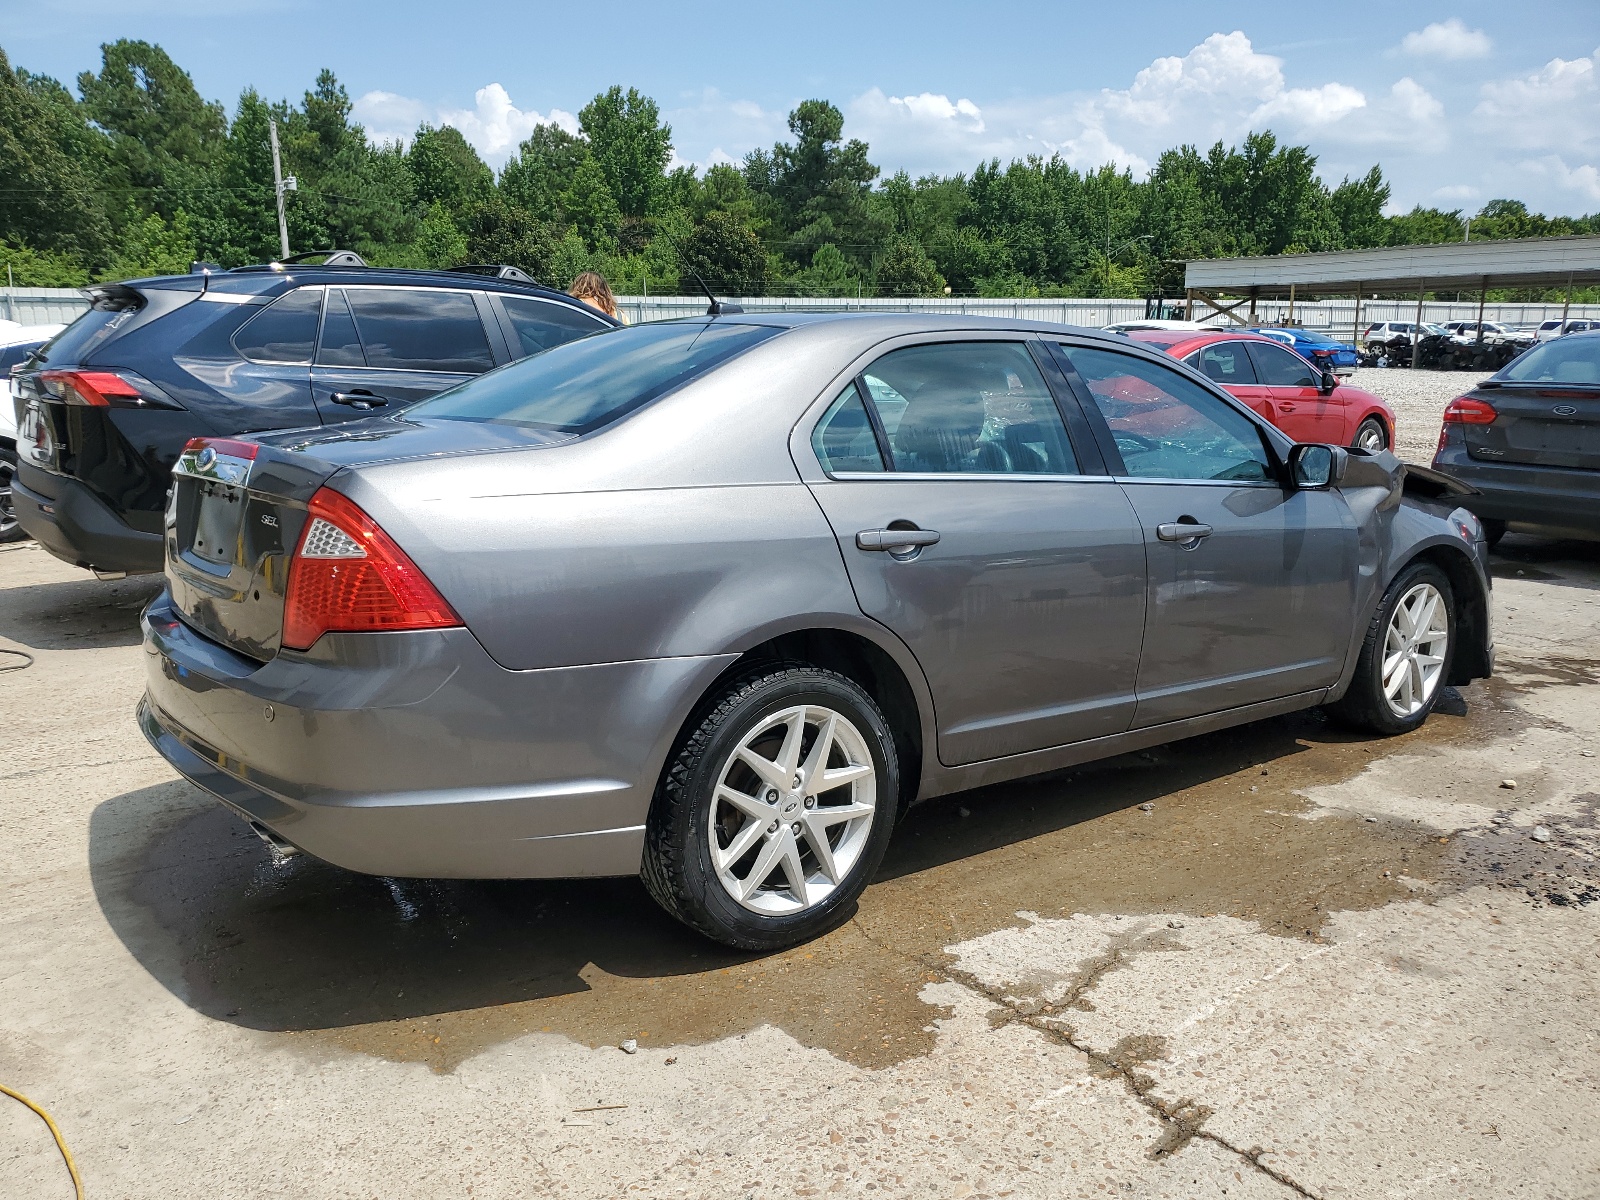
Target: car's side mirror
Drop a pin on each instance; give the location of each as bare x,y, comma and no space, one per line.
1312,466
1327,383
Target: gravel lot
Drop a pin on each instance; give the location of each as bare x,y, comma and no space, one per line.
1418,399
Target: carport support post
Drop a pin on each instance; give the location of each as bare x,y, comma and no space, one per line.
1416,328
1252,306
1355,332
1565,308
1483,296
1188,304
1290,321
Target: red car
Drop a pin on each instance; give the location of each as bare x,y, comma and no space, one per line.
1280,385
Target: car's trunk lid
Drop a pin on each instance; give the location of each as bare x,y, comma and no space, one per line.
1547,425
237,510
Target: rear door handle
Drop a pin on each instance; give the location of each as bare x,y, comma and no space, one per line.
1182,531
359,399
895,539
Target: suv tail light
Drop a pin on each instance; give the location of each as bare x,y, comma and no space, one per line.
105,389
1466,411
348,576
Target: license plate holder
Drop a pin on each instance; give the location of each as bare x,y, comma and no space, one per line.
219,517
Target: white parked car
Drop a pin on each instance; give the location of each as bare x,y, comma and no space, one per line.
1557,327
1134,326
16,343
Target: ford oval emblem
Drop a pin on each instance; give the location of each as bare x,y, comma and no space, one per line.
1564,410
206,459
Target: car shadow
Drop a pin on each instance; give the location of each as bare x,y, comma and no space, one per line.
243,936
78,614
1568,562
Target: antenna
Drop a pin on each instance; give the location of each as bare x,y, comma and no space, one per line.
718,307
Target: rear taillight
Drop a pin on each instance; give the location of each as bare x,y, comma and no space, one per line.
228,446
348,576
1466,411
104,389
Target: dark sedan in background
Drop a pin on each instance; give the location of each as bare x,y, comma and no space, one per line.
1528,439
711,600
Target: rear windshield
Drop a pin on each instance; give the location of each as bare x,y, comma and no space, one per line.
1564,360
584,384
74,343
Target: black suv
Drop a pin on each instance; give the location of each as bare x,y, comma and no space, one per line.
104,410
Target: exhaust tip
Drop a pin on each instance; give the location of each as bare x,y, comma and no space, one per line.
281,848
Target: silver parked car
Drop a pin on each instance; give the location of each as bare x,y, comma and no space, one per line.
713,600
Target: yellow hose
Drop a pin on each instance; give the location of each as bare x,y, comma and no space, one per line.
61,1145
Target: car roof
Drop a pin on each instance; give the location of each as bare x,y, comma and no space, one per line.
1193,339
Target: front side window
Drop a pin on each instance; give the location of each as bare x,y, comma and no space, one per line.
540,324
420,329
283,332
844,440
1227,362
590,382
969,408
1277,367
1166,426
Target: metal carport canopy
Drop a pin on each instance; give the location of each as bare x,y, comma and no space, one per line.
1446,266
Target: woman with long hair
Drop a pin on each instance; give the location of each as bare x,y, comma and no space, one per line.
591,287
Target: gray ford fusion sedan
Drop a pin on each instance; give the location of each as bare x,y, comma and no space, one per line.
711,601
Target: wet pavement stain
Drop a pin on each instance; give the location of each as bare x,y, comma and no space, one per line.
438,971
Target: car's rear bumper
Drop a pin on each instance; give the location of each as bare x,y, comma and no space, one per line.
1560,500
415,754
75,525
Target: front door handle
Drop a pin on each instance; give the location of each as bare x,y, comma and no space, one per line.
360,398
895,539
1183,531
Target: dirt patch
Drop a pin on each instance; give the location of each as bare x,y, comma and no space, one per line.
436,971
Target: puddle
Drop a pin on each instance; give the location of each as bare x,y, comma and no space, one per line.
437,971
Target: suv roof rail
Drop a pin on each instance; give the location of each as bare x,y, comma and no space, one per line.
496,271
330,258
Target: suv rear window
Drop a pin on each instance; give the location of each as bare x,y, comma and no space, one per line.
540,324
587,383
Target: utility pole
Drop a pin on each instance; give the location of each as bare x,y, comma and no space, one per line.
280,185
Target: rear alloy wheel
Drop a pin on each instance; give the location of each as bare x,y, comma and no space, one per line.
1405,659
775,812
11,529
1371,436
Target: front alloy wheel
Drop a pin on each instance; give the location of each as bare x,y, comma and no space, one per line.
10,528
1414,650
1405,657
1371,436
775,810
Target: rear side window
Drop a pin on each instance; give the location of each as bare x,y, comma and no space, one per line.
420,329
1167,426
969,408
584,384
283,332
339,346
540,324
1227,362
1277,367
844,440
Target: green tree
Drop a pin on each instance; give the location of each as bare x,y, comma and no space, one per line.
542,170
50,201
726,254
1426,226
631,146
1358,208
26,267
447,170
589,205
164,139
153,247
906,270
499,232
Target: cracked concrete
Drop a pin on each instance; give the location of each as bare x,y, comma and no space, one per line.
1316,966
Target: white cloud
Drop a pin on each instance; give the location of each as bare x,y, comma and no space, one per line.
1219,76
494,127
1450,40
1581,182
1310,107
1555,108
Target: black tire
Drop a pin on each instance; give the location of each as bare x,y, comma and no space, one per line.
1369,426
10,530
678,870
1364,707
1493,530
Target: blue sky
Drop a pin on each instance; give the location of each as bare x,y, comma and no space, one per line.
1459,103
